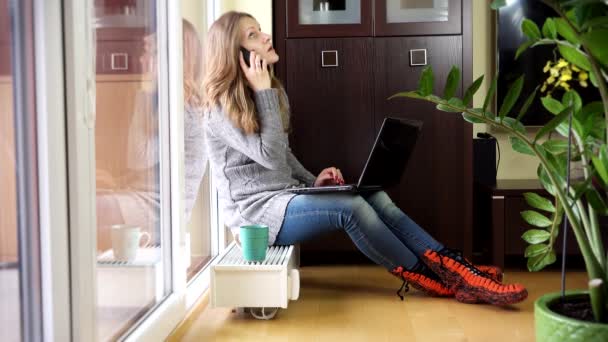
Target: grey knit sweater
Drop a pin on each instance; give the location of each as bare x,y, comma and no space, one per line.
251,171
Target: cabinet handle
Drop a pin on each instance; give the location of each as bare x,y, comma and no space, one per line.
418,57
115,65
329,58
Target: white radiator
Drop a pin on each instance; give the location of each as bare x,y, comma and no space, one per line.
268,284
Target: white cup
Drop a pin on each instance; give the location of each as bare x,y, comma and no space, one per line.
126,240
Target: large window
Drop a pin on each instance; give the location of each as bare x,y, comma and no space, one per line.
132,163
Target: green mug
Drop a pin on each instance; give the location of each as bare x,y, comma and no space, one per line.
253,241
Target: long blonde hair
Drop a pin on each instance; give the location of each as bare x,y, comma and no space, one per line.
193,65
224,83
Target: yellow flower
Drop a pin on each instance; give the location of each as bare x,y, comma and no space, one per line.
575,68
565,85
554,72
561,63
550,80
565,77
583,76
583,84
543,88
547,66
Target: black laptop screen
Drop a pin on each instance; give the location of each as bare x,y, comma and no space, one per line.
391,151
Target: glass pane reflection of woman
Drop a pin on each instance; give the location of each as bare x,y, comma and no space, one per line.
134,196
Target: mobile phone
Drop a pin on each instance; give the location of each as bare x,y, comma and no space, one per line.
246,55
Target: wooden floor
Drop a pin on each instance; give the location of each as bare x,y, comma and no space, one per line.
347,304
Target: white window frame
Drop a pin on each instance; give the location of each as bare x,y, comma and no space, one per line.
52,171
80,102
201,282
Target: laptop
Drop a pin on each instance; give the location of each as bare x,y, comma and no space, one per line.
386,162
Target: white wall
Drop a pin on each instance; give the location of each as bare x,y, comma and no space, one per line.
513,165
261,10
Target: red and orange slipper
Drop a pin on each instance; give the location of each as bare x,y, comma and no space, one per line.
469,284
494,272
432,287
427,283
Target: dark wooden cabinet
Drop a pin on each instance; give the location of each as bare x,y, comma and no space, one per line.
356,18
331,105
329,19
428,21
498,219
433,187
337,110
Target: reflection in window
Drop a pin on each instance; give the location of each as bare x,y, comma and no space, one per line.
196,201
131,238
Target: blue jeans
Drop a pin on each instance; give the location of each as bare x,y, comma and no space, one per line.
374,223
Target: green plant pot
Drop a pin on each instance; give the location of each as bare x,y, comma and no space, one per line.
551,326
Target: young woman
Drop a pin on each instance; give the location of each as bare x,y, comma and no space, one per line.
246,120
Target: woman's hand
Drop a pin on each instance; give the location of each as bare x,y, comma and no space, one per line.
329,176
257,73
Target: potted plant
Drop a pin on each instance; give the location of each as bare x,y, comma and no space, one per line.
580,38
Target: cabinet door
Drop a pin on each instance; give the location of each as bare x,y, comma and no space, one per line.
332,121
433,188
324,18
119,51
417,17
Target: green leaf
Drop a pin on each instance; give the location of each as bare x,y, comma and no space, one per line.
527,104
571,97
425,87
472,119
538,262
596,42
530,29
511,97
536,219
490,94
537,249
537,201
552,105
566,31
549,29
601,164
408,94
451,84
496,4
534,236
544,179
468,95
549,126
519,146
523,47
456,102
596,201
593,108
593,79
514,124
563,128
595,22
446,108
556,146
574,56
